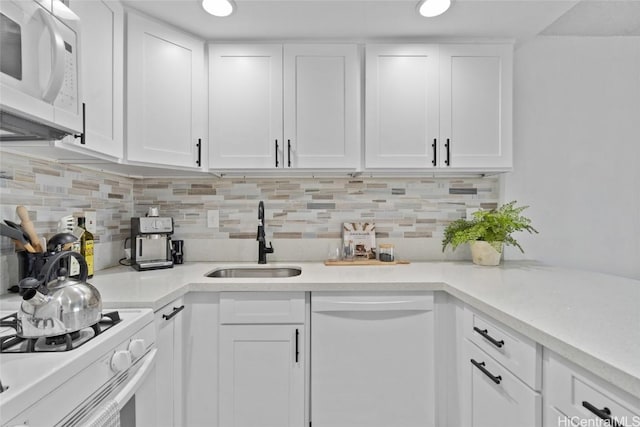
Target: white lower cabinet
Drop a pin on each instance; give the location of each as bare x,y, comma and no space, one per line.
262,364
200,370
243,359
574,397
497,398
500,374
169,384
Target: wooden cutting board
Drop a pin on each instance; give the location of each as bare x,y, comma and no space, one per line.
362,262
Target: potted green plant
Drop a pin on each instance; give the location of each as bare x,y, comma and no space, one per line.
487,232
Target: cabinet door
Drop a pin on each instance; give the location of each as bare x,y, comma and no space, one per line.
476,103
102,56
401,106
321,106
574,396
165,86
496,398
169,364
245,98
261,377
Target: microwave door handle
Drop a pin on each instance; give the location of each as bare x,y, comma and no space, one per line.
57,69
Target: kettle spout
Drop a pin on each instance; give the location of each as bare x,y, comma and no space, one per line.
33,291
35,298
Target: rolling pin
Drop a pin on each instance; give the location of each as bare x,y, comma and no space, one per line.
28,227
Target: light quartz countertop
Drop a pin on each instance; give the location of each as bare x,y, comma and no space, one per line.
589,318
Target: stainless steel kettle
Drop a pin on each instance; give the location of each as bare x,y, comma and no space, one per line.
60,306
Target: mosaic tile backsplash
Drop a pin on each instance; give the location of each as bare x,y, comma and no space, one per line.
295,208
314,208
50,191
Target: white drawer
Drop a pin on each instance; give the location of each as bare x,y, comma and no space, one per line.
577,395
262,307
519,354
497,398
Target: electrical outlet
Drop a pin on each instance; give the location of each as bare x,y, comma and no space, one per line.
91,221
213,219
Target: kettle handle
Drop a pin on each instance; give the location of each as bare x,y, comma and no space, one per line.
52,261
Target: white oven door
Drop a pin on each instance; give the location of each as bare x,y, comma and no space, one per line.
126,399
131,404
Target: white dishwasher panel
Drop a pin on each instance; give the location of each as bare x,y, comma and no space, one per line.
372,359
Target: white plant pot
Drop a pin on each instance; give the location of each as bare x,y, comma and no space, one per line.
483,253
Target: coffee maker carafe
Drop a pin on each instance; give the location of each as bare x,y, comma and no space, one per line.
151,242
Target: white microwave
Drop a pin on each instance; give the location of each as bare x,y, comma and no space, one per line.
39,70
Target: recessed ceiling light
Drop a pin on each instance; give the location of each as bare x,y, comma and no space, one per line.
219,7
431,8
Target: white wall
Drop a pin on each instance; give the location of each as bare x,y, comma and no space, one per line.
577,151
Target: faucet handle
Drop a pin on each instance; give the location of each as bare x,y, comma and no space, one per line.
269,249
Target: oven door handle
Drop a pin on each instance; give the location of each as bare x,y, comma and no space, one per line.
136,381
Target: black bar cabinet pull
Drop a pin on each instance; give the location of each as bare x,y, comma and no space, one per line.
175,311
199,145
82,136
604,413
480,365
488,337
276,153
289,152
448,147
434,162
297,348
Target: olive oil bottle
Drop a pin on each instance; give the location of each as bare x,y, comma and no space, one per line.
86,245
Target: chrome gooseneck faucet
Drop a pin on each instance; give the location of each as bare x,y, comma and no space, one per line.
263,250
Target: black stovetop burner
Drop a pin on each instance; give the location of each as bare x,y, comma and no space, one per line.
15,344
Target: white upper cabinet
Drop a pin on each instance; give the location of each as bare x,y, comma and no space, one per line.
401,106
476,106
297,107
101,55
446,106
321,106
165,95
245,98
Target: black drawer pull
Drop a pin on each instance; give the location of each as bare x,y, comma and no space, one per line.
277,153
297,346
488,337
480,365
175,311
83,135
434,162
448,147
199,146
604,413
289,152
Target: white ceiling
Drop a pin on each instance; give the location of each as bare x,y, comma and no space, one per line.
599,18
364,20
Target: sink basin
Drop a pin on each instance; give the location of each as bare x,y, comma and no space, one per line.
255,272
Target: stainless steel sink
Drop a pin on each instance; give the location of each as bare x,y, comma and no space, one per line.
255,272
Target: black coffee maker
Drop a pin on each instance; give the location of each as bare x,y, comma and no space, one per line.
177,251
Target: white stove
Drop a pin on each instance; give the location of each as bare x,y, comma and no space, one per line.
69,387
